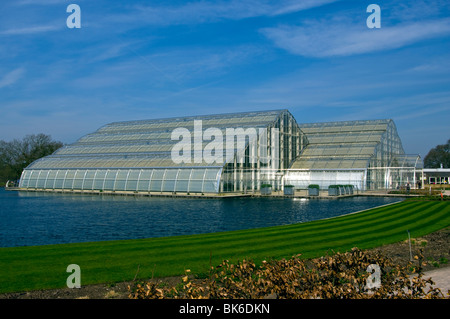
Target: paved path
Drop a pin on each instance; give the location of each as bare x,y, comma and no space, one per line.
441,278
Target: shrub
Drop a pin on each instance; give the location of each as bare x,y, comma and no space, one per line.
342,275
314,186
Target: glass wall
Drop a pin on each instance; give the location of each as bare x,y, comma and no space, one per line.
192,180
265,158
301,179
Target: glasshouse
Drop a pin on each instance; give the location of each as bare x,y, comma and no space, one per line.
237,152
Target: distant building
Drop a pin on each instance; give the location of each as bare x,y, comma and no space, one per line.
437,175
235,152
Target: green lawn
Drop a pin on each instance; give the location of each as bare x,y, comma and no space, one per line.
42,267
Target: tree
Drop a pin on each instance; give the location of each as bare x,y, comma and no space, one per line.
18,154
437,156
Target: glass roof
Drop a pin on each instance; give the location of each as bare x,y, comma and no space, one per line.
148,143
346,144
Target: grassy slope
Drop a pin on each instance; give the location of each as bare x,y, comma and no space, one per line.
41,267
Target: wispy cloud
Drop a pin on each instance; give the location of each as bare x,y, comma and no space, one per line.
325,39
296,6
181,68
11,77
29,30
186,64
37,2
213,11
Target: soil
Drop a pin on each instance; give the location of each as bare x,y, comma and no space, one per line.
436,250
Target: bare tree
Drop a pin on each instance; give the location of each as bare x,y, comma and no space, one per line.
18,154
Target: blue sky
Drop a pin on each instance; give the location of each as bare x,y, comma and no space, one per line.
151,59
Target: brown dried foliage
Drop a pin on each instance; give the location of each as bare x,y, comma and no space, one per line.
341,275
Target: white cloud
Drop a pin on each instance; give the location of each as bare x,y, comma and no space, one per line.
328,38
296,6
212,11
11,77
29,30
37,2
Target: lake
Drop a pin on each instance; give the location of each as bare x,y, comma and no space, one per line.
38,218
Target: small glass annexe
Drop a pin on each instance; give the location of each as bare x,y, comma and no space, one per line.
220,153
366,154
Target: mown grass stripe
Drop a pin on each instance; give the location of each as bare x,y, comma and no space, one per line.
379,230
395,234
325,239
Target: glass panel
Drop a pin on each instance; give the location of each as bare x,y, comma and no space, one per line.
121,180
108,184
78,179
110,179
132,180
33,178
99,179
196,182
24,180
144,181
211,183
50,179
210,187
182,185
211,174
183,180
40,181
169,180
68,182
89,179
59,179
195,186
156,181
